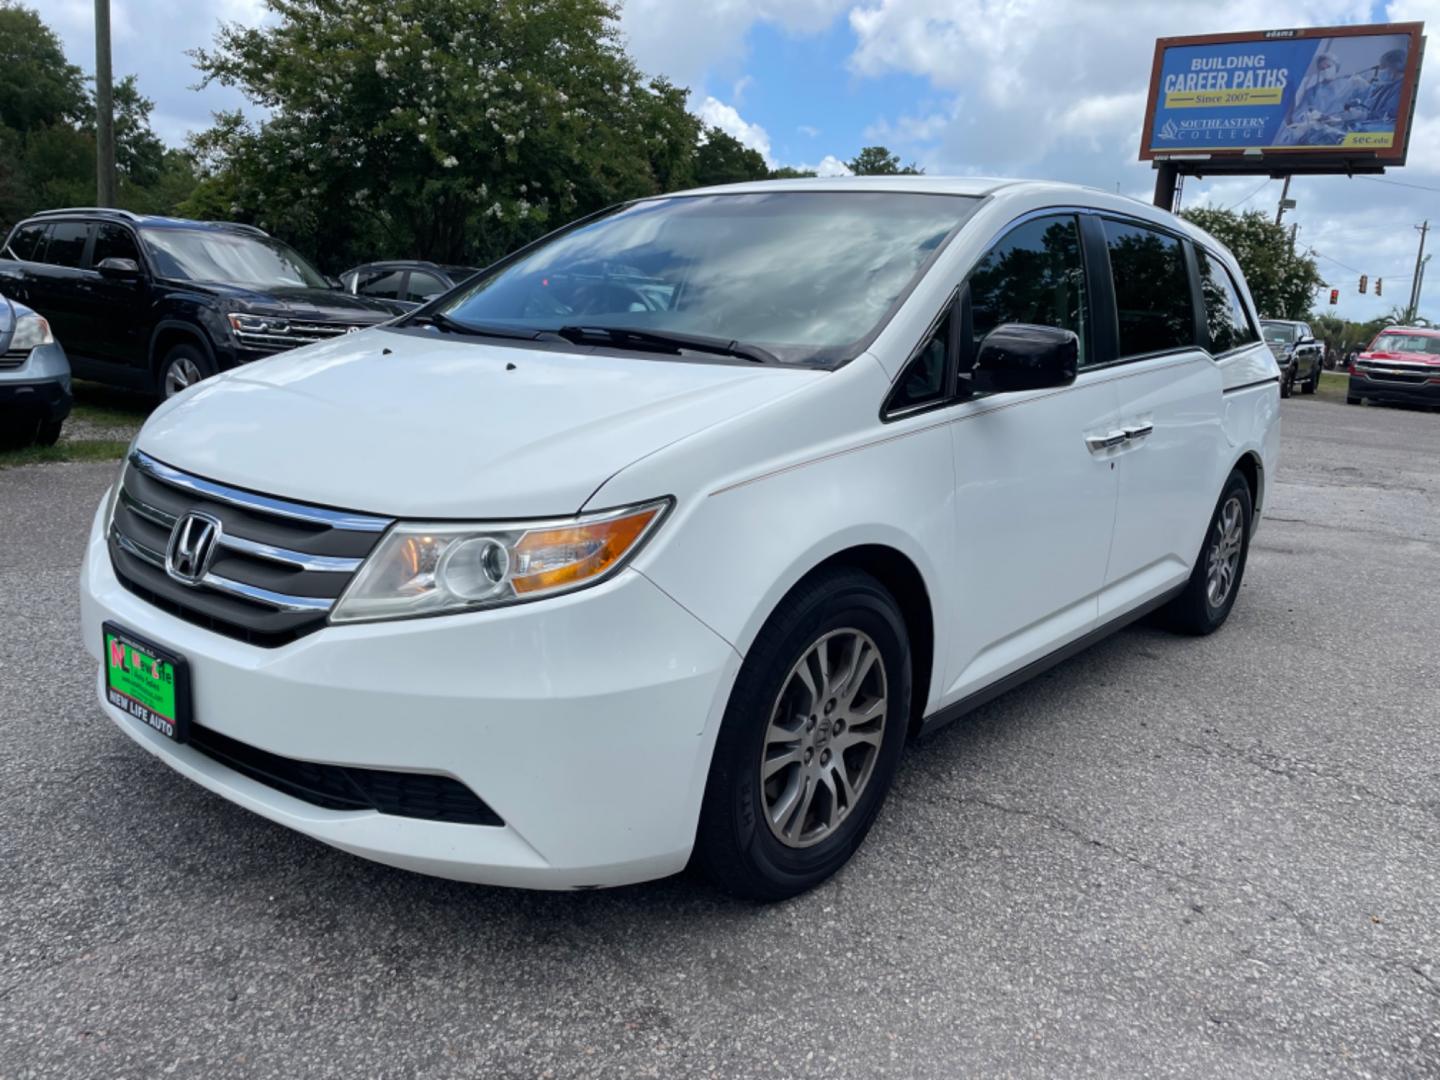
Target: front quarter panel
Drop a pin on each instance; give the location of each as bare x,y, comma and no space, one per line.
763,500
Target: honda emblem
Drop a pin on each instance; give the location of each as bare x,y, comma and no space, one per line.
193,541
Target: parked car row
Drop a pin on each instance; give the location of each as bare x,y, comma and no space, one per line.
157,303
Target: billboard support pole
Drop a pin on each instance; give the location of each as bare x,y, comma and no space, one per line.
1166,173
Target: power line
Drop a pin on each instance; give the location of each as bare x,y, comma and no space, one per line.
1398,183
1252,194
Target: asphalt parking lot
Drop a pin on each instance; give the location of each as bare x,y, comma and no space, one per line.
1166,857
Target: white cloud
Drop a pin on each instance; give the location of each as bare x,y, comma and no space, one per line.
716,113
688,39
808,131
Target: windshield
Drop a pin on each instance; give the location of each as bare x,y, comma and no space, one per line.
1413,343
805,275
234,258
1280,333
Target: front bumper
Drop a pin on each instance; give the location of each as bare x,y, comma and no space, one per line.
586,722
39,387
1406,393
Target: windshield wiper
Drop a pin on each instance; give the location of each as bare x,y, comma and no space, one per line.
665,341
441,321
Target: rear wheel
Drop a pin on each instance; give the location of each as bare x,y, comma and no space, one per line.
1351,400
1287,383
1313,382
1215,581
183,367
810,740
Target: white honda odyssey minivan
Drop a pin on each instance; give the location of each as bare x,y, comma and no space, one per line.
655,542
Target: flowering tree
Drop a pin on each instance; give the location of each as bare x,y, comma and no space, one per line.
451,131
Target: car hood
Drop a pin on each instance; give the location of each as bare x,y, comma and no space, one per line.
1428,359
321,305
404,425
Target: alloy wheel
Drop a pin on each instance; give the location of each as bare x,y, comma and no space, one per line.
824,737
1222,559
181,373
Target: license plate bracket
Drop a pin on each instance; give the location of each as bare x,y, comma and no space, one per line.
150,683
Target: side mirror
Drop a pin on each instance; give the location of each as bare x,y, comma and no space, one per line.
1018,356
118,268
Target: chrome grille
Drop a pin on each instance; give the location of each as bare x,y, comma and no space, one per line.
297,334
278,566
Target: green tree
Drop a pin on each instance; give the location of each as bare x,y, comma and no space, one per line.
453,131
724,159
1282,282
787,172
878,161
38,86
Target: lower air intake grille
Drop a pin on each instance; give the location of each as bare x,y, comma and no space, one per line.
340,787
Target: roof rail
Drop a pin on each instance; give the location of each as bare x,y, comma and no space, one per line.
87,210
241,226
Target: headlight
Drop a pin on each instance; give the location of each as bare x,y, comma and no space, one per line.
256,324
31,331
420,569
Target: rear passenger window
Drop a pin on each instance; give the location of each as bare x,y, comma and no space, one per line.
67,243
1225,315
1033,275
26,239
924,379
1152,289
382,283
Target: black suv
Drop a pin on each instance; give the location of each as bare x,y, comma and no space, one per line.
159,303
404,281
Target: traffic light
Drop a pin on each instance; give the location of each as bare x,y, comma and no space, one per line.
1334,296
1379,281
1364,280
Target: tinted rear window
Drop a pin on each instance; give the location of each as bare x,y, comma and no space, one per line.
1152,289
67,243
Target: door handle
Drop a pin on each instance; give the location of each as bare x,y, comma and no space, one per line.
1108,441
1138,432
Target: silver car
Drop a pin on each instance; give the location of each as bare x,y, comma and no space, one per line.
34,379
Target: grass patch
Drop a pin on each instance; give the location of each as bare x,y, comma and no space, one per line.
82,450
1334,384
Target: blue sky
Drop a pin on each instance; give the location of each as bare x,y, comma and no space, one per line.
1037,88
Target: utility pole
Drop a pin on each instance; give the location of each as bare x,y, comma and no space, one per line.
1414,308
104,109
1284,198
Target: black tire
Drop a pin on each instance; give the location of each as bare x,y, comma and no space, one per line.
182,358
735,845
17,432
48,433
1310,385
1192,612
1351,400
1287,383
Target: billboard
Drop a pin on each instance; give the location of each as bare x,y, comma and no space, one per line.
1331,92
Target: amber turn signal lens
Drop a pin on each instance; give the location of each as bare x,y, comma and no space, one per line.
553,558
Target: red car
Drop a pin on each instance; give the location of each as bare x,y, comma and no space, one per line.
1402,364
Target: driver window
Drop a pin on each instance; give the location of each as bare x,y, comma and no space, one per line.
1033,275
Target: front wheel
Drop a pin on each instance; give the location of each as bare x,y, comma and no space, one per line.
182,368
48,434
1349,400
810,739
1287,383
1312,383
1215,581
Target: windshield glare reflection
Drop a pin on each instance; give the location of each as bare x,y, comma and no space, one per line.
799,273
